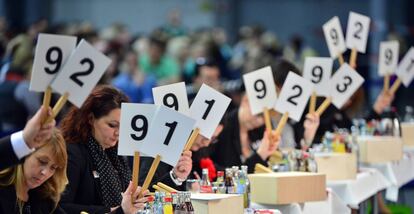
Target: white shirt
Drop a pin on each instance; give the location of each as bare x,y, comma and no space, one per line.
20,147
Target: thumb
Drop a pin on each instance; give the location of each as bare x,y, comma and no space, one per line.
42,114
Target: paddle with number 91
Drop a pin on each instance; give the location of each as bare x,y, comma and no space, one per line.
167,135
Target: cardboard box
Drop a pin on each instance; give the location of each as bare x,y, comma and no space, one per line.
380,149
287,187
337,166
207,203
407,131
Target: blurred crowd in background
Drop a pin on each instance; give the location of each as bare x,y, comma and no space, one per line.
169,54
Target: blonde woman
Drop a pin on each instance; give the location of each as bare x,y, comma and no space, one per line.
35,185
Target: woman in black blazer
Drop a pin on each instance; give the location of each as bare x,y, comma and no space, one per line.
97,175
35,185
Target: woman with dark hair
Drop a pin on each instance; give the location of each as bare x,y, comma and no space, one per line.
97,175
35,185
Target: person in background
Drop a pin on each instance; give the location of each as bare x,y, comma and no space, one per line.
244,140
35,185
133,82
16,146
157,62
206,72
97,175
333,118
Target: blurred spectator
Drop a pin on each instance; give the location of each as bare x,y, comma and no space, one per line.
296,51
174,27
157,62
133,82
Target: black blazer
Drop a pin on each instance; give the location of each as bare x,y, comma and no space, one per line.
227,151
7,156
83,191
38,205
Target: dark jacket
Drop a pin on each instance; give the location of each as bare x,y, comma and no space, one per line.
83,191
226,152
7,156
38,204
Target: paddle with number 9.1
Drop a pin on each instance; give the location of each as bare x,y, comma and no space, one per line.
405,71
388,61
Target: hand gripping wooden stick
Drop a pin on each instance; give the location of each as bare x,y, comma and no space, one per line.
324,106
166,187
192,138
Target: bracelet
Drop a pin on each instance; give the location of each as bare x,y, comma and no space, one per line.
178,181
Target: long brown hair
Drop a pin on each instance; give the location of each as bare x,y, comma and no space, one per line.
76,125
53,187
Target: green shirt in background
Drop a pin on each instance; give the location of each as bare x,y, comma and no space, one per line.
166,69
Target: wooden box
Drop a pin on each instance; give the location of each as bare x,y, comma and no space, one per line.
407,131
287,187
337,166
207,203
380,149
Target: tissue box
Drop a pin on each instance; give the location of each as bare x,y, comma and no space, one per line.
287,187
207,203
407,130
337,166
380,149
